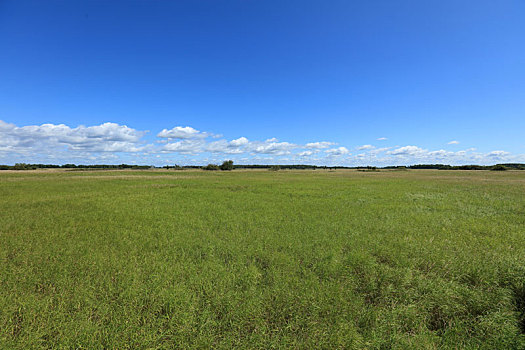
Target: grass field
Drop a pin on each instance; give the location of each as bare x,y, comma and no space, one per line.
259,259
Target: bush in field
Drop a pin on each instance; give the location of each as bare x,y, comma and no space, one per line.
211,167
227,165
275,168
367,168
174,167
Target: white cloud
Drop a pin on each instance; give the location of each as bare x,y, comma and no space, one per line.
179,132
319,145
233,147
382,139
305,153
440,154
414,154
407,150
223,146
497,154
453,143
337,151
241,141
277,148
243,145
188,146
379,150
114,143
6,126
107,137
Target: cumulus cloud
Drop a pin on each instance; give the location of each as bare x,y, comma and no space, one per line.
241,141
187,146
453,143
440,154
111,142
305,153
236,146
223,146
379,150
180,132
498,154
319,145
277,148
407,150
382,139
106,137
415,154
337,151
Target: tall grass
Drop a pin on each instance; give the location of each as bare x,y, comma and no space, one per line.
258,259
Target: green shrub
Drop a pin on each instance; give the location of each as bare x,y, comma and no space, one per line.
227,165
211,167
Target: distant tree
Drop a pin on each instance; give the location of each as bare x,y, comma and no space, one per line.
498,167
174,167
211,167
125,166
227,165
23,166
515,166
275,168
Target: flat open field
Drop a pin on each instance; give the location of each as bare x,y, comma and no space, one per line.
260,259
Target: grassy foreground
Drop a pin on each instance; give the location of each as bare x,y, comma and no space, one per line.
259,259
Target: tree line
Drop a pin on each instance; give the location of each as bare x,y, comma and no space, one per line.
504,166
228,165
29,166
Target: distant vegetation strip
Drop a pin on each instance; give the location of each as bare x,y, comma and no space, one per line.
228,165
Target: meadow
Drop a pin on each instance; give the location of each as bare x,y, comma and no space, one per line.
418,259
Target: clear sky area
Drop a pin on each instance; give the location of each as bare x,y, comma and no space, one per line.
266,82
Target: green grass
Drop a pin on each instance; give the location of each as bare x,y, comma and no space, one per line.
259,259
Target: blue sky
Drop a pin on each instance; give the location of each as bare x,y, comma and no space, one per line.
319,82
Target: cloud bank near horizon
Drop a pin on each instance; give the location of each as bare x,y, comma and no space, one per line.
115,143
